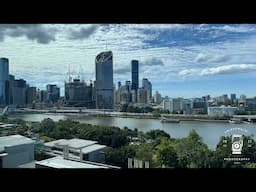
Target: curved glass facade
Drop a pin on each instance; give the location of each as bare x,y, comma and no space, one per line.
104,80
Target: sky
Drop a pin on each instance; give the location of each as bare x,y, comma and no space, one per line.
180,60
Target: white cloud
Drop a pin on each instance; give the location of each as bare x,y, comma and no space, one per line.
227,69
130,42
200,58
238,28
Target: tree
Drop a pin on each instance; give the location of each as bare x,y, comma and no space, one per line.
46,139
47,126
144,152
166,154
250,165
192,152
156,133
119,157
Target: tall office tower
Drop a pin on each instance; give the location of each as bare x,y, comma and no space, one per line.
135,74
53,93
42,96
146,84
104,80
4,76
233,97
30,95
18,92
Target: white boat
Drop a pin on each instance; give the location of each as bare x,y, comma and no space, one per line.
235,121
247,122
165,120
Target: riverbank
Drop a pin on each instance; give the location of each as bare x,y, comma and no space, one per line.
198,118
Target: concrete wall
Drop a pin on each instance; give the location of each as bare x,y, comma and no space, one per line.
18,155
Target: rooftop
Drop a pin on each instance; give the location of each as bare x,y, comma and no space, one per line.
72,143
13,140
53,143
59,162
92,148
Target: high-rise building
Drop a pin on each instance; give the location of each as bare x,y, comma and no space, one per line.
142,96
53,93
157,98
4,76
125,96
133,96
79,94
104,80
42,96
135,74
30,95
176,104
223,100
173,105
187,109
232,96
18,92
146,84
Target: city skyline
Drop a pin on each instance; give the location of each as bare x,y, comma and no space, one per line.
180,60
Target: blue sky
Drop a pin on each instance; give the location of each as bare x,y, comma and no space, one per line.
186,60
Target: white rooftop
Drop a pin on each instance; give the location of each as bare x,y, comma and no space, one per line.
92,148
13,140
52,143
59,162
73,143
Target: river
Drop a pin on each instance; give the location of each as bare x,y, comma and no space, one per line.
209,131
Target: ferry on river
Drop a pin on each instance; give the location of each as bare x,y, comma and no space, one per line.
235,121
165,120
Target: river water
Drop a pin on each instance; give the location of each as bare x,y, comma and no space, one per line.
209,131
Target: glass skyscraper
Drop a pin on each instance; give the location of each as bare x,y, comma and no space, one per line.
4,76
104,80
146,84
135,74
